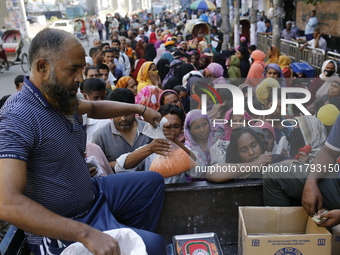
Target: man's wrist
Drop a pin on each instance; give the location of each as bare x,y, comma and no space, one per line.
143,110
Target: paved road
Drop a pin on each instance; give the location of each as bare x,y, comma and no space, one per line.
7,78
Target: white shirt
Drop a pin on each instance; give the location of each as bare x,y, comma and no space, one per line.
125,61
322,43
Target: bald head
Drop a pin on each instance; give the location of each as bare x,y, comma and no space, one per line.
49,44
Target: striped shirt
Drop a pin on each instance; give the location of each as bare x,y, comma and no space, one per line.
32,131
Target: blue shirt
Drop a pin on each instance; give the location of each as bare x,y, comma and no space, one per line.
32,131
311,25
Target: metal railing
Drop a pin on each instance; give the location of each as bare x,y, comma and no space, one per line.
290,49
333,56
314,57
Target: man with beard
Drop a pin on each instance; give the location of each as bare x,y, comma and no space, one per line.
123,134
45,185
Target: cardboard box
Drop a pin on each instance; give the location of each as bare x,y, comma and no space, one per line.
279,231
336,240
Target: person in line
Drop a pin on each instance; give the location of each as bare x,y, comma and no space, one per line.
64,203
317,41
311,25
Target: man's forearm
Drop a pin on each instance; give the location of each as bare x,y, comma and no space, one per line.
324,158
108,109
26,214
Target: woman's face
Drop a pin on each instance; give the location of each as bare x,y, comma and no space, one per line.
175,122
272,73
248,148
269,52
330,66
208,74
193,59
159,32
153,67
202,62
270,138
334,90
195,41
172,99
239,121
200,129
239,54
182,94
132,85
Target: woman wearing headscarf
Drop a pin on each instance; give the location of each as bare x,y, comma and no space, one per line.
263,89
270,133
214,71
148,75
246,148
138,65
140,49
237,119
153,37
161,40
150,52
320,85
273,55
183,70
333,92
129,83
148,96
167,55
234,71
160,52
243,54
163,67
284,63
169,96
254,76
203,62
200,135
174,68
274,71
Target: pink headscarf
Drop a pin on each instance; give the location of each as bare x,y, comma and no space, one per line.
266,125
228,129
215,69
148,96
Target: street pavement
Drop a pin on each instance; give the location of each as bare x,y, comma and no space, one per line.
7,86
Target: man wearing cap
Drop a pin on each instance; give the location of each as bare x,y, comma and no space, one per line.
316,184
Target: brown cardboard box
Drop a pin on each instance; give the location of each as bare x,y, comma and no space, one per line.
336,240
280,230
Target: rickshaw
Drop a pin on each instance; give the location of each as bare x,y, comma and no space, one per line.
198,28
83,35
13,43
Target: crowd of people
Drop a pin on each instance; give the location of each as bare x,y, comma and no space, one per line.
143,74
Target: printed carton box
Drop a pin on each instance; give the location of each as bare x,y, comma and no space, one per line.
280,231
336,240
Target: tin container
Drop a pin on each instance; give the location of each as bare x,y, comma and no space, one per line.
197,244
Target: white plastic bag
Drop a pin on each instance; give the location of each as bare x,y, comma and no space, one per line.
176,162
92,160
130,243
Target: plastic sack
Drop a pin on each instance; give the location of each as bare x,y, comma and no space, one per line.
92,160
130,243
176,162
